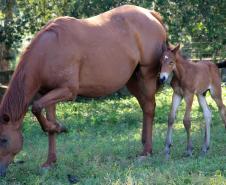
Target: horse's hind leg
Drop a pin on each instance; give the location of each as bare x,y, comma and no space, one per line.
216,94
207,117
187,121
144,90
176,100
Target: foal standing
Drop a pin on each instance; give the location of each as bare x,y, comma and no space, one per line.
189,79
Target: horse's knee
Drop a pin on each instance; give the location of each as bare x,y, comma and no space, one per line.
36,108
149,108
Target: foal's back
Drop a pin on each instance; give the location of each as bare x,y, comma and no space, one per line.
197,77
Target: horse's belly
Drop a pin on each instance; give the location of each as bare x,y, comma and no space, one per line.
105,78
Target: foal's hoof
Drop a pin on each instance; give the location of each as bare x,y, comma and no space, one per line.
188,153
72,179
204,152
167,157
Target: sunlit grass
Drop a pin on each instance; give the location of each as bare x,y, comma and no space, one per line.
104,140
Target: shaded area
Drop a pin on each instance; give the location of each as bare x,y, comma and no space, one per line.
104,140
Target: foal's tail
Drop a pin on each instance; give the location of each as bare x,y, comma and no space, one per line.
221,64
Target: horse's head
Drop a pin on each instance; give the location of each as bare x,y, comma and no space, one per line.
11,141
168,63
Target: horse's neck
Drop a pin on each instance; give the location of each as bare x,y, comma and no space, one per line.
181,67
18,96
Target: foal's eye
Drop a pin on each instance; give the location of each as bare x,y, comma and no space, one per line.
171,63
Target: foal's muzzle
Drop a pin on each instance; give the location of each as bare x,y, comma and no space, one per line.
163,77
162,80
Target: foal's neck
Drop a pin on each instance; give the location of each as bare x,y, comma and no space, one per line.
181,67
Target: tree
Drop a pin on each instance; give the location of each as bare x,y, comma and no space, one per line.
198,24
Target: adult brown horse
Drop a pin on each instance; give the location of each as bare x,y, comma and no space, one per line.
89,57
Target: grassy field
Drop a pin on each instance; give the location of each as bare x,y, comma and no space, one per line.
104,140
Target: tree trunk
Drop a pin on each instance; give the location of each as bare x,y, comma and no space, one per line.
4,49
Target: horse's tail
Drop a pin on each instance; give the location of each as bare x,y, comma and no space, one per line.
221,64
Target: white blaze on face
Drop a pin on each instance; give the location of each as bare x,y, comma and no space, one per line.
164,74
166,57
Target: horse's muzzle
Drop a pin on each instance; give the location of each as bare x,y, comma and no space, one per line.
3,169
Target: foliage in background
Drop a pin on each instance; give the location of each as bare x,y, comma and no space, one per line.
200,25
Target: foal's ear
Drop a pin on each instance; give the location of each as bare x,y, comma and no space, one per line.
177,47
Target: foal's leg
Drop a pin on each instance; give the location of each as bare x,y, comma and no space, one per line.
216,94
176,100
50,98
207,117
187,121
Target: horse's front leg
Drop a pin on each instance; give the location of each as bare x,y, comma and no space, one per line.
187,121
47,125
48,101
51,116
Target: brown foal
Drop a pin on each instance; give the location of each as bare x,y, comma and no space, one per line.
88,57
191,79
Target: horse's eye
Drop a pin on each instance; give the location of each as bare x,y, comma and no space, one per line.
171,63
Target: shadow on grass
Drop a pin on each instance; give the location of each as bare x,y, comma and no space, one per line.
104,140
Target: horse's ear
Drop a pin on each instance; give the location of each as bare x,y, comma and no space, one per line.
174,50
5,118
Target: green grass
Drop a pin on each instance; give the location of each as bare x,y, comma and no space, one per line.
104,140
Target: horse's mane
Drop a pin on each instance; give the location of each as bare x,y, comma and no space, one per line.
14,102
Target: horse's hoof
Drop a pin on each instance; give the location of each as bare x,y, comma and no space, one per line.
61,128
72,179
142,158
44,170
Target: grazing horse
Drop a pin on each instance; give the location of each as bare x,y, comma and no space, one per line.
88,57
191,79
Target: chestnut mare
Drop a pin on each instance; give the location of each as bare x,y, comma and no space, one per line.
89,57
191,78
